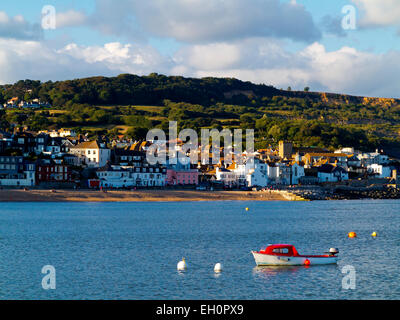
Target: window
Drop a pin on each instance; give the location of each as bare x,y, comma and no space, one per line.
281,250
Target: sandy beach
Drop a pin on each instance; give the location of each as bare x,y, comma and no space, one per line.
132,196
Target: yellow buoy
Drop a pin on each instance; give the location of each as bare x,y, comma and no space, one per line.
247,209
374,234
352,234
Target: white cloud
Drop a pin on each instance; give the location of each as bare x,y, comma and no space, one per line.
18,28
379,13
346,70
119,57
210,56
259,60
70,18
205,21
36,60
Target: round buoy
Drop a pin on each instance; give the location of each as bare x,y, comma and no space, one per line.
352,234
182,265
218,267
374,234
307,262
247,209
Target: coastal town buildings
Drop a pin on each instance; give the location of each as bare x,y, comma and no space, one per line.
92,154
297,172
62,157
48,170
258,175
181,173
15,102
331,173
24,141
6,141
16,172
113,176
127,157
370,158
226,177
379,170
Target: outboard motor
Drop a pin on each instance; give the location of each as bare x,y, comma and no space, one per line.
333,251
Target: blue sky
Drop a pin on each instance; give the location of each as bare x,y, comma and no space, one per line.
279,42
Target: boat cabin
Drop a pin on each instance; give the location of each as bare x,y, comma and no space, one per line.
281,250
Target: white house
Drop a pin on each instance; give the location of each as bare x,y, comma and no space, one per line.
127,177
279,173
151,176
63,133
227,176
114,177
258,174
331,173
297,171
373,158
379,170
92,153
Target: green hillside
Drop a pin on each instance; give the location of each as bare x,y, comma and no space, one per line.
132,104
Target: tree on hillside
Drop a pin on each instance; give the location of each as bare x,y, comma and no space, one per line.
137,133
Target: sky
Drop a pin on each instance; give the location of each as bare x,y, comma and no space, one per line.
342,46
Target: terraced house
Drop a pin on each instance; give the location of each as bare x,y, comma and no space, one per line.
48,170
15,172
115,176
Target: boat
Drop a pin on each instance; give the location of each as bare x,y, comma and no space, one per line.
287,255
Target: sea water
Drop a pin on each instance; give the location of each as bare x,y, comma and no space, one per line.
131,250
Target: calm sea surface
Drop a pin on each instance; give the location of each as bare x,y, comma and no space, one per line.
130,250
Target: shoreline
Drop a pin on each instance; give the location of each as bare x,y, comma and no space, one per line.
135,196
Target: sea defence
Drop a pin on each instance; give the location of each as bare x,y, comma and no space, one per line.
349,193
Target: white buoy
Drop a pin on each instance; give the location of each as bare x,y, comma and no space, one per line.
182,265
218,267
